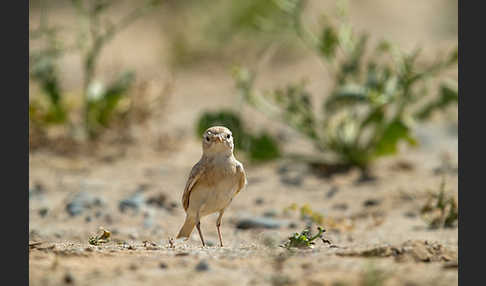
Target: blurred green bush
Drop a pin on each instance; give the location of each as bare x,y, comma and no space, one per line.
376,100
99,102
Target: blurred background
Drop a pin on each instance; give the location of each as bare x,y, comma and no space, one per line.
355,98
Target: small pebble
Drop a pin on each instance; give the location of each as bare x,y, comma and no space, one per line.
270,213
259,201
202,266
157,200
332,192
133,202
68,278
163,265
82,201
410,214
209,243
371,202
340,206
292,225
258,222
43,212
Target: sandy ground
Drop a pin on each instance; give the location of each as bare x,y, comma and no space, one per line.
382,215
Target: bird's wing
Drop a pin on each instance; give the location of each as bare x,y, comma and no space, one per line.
196,173
242,182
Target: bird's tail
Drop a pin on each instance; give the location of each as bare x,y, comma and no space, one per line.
187,228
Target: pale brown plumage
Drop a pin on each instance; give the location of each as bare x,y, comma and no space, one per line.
213,181
210,177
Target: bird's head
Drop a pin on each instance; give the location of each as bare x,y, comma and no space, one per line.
218,139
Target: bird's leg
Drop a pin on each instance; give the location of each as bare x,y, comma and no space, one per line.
218,224
200,233
198,226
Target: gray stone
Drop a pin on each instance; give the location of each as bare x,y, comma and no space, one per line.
270,213
43,212
202,266
259,222
332,192
134,202
82,201
37,191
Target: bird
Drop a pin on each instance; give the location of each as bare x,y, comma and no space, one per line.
213,181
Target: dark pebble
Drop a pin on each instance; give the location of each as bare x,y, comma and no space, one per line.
340,206
209,243
133,202
157,200
87,219
37,190
259,201
332,192
163,265
258,222
202,266
295,180
371,202
82,201
292,225
68,278
270,213
410,214
43,212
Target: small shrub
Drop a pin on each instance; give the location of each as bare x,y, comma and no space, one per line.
94,32
440,210
376,99
303,239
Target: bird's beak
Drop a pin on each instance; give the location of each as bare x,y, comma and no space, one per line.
219,139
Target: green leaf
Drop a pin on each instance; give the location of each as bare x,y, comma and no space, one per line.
113,95
448,95
391,136
329,42
376,116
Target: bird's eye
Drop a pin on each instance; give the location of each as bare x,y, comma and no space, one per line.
206,138
228,136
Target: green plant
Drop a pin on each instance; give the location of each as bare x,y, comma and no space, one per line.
261,147
44,70
95,31
376,99
303,239
440,210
